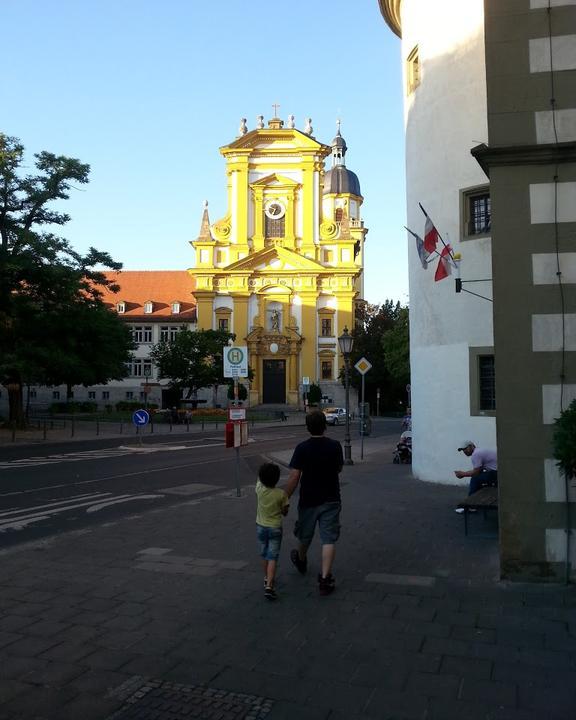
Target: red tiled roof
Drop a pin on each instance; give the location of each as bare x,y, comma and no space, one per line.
162,287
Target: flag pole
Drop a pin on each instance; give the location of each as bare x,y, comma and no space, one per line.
440,236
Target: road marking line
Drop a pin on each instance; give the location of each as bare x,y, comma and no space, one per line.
90,497
100,506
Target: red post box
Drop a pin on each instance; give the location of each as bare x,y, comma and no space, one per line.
229,434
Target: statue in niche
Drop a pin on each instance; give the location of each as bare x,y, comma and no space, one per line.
275,321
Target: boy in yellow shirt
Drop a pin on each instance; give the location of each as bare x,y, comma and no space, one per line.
272,505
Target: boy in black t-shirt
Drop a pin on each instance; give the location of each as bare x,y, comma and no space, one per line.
316,464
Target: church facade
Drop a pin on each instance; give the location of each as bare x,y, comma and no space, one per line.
283,269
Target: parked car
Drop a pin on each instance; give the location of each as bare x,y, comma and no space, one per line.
335,415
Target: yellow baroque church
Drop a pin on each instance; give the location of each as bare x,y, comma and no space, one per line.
283,269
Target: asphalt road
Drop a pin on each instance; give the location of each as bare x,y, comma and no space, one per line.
51,489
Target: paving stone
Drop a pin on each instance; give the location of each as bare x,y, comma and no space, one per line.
120,640
68,651
561,700
31,646
47,628
98,682
432,685
39,702
7,638
488,692
450,709
341,696
54,674
474,634
390,705
13,623
466,667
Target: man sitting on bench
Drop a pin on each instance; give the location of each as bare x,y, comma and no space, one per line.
484,471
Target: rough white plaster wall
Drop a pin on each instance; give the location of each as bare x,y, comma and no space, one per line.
555,484
563,53
556,548
445,117
564,122
441,416
551,407
544,268
547,335
543,202
297,310
223,301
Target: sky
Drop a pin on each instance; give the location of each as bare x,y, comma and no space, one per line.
146,92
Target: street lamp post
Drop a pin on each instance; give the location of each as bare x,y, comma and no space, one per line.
346,342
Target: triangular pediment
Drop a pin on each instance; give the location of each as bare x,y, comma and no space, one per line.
275,180
270,139
276,259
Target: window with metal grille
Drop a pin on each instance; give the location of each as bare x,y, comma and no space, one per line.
275,227
479,217
486,377
326,369
326,327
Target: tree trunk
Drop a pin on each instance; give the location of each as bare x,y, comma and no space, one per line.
16,405
68,392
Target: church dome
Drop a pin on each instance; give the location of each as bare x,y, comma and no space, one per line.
341,180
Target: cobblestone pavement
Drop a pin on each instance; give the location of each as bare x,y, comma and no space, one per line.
161,615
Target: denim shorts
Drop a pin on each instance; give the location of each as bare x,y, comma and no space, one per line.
270,540
326,515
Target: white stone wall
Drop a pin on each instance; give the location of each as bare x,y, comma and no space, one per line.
445,117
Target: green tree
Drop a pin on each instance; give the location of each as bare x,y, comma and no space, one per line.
41,276
396,346
193,360
564,441
372,323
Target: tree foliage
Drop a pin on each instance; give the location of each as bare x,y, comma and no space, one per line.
45,285
396,346
193,360
564,441
373,322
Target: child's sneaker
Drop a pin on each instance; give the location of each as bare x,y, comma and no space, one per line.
326,585
301,565
270,593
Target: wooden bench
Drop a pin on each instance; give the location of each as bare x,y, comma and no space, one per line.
484,499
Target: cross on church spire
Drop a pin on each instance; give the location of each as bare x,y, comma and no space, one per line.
275,106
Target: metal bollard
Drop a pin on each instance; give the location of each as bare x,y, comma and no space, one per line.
44,431
72,428
97,428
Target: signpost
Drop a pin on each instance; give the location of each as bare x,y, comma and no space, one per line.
362,366
236,432
306,388
140,418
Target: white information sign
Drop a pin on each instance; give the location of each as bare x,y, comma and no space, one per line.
305,381
235,361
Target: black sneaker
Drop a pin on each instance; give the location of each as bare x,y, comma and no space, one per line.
300,565
326,585
270,593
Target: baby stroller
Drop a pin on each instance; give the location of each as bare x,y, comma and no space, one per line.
403,452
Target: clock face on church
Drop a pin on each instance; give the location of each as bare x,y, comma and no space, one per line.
274,209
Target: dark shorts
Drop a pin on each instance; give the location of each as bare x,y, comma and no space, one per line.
270,540
327,516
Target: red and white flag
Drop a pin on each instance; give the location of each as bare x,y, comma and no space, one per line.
430,236
444,267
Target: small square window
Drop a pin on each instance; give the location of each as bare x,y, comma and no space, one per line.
326,327
482,381
148,307
121,307
33,394
175,308
91,395
105,395
413,70
326,369
129,395
56,395
224,324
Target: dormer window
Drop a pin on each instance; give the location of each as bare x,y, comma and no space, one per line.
175,308
148,307
121,307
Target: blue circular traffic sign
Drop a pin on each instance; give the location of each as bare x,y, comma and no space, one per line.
141,417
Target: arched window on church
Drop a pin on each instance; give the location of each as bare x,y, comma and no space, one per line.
339,214
275,227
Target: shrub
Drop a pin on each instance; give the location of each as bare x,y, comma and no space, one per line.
314,394
131,405
242,391
74,406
